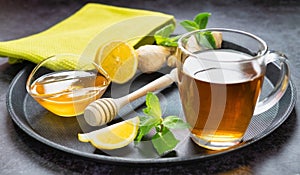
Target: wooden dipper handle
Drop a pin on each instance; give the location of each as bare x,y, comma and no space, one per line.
104,110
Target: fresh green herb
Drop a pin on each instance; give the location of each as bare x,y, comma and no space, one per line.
207,40
163,140
162,36
173,122
200,21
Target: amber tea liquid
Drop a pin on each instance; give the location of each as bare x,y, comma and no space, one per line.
218,100
68,93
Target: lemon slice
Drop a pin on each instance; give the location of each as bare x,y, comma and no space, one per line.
119,60
114,136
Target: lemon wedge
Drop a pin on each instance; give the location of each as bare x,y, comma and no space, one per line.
119,60
114,136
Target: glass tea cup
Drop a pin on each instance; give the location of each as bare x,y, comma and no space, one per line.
65,84
220,87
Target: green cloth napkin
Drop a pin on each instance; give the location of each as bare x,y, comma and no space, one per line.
84,32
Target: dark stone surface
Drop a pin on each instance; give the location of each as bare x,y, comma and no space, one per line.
277,22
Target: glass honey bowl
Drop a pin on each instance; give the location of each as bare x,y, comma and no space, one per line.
66,84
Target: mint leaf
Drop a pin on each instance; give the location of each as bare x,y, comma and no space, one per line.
153,106
164,141
201,20
146,124
189,25
207,40
174,122
162,36
166,31
170,42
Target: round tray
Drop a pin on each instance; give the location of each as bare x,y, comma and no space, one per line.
61,133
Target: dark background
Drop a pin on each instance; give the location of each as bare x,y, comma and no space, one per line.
277,22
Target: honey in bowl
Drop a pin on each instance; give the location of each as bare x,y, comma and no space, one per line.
67,92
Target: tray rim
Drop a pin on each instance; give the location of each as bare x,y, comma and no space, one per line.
122,160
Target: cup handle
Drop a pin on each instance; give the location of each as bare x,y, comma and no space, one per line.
281,86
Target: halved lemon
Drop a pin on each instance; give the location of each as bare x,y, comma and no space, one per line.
119,60
114,136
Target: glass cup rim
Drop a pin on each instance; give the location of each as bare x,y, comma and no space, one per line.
258,39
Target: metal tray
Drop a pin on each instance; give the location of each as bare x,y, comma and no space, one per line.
61,133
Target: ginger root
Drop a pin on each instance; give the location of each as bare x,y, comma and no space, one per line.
218,38
152,57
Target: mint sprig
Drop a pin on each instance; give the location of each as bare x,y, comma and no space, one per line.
163,140
163,36
199,22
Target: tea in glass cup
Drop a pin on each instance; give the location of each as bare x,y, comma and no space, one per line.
220,87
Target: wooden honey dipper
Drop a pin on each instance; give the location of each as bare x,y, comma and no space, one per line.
104,110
